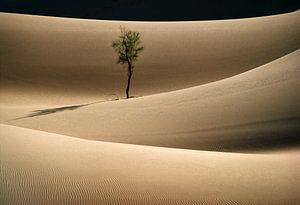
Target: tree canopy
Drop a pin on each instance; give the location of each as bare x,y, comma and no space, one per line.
128,46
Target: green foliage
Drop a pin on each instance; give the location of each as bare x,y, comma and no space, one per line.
128,46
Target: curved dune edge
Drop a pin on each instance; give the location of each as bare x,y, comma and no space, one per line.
64,61
58,60
44,168
254,111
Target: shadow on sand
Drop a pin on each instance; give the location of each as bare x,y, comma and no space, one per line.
48,111
54,110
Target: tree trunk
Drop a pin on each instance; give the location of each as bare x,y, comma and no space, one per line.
130,70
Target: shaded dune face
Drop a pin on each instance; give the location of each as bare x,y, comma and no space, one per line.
41,56
254,111
199,86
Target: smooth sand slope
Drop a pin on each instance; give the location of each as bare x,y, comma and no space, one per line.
215,85
43,168
252,110
58,60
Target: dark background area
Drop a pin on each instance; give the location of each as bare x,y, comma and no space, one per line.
151,10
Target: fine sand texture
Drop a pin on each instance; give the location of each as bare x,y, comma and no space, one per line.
214,117
44,168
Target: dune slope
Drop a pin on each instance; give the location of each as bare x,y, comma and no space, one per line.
43,168
254,110
55,60
214,85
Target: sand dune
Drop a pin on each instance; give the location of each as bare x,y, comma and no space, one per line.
55,60
214,85
44,168
252,110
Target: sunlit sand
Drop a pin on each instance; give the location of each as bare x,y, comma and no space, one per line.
213,118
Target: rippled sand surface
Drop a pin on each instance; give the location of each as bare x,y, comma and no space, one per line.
214,118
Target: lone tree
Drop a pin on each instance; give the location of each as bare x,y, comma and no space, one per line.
128,47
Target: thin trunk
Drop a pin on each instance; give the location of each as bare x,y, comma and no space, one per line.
130,70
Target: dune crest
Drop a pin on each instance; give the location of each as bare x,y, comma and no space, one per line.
255,110
54,60
215,89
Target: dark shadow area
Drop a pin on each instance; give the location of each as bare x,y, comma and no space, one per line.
252,137
151,10
48,111
54,110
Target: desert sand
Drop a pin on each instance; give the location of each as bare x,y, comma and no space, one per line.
44,56
44,168
214,118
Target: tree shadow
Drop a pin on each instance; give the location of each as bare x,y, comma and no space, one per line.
54,110
48,111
